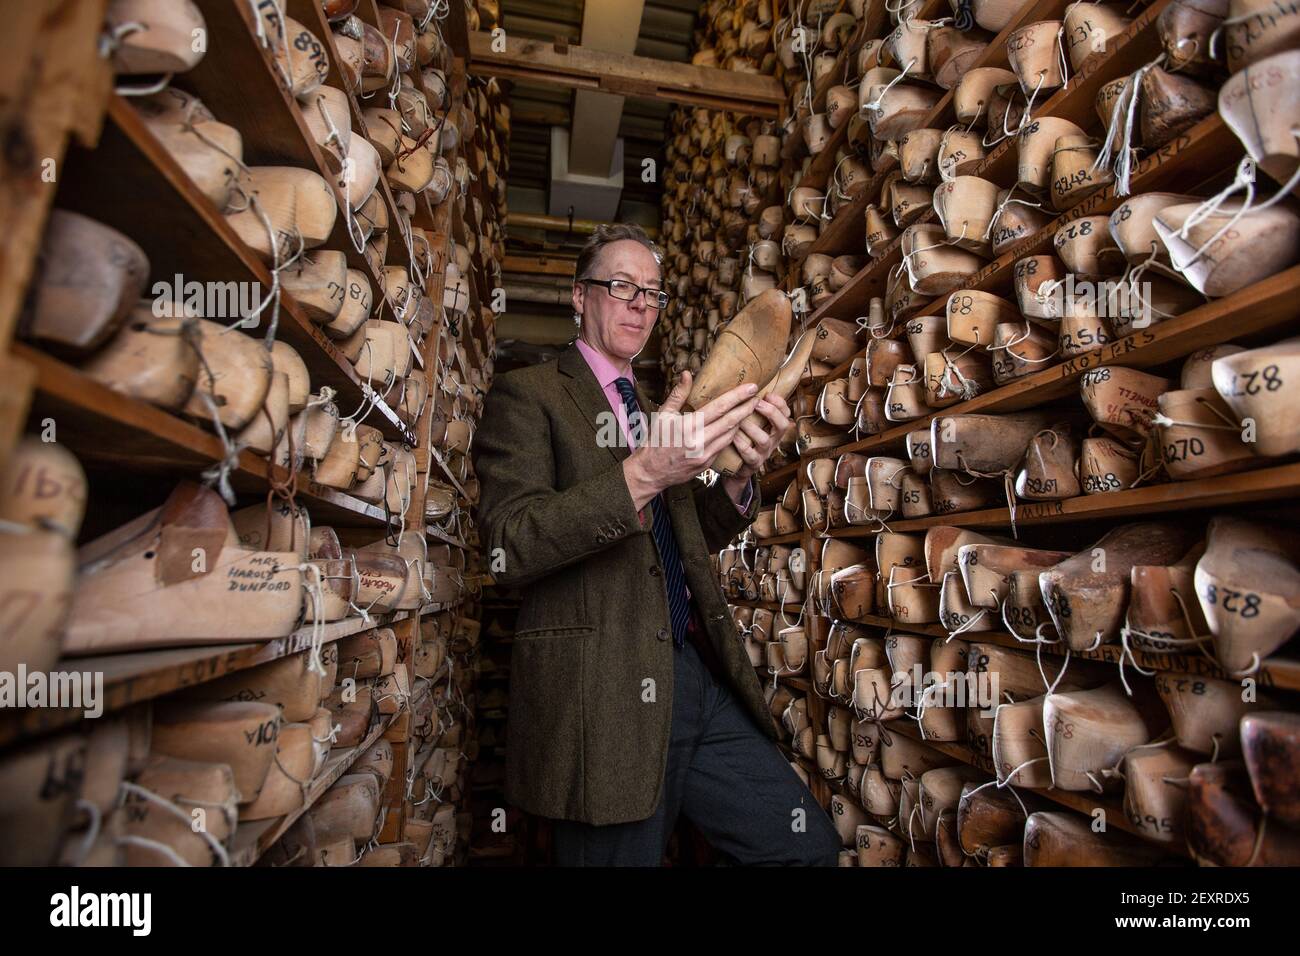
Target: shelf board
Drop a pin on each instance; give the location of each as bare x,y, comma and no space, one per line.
792,538
836,237
1080,801
1262,484
1276,673
255,837
778,477
766,605
104,427
790,680
823,163
435,532
1266,306
136,676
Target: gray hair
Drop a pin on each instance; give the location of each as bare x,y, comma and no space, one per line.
602,237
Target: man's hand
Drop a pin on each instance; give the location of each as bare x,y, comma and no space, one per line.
680,446
755,444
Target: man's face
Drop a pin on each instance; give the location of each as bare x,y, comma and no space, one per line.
617,328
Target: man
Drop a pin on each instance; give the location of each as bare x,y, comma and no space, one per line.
632,699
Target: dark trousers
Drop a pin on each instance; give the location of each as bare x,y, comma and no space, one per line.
727,777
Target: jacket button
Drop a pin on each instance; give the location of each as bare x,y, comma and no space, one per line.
662,633
600,537
655,572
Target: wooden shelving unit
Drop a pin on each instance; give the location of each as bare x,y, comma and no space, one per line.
1262,484
254,838
137,676
1197,161
1081,802
123,177
103,427
144,173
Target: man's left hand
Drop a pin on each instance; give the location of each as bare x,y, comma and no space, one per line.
755,443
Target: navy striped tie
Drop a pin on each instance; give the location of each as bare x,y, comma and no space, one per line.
679,602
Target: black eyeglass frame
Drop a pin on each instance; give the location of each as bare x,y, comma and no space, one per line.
662,302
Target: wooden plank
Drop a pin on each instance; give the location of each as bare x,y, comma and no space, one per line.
537,61
455,29
778,478
1076,101
1175,167
104,427
839,240
255,837
1264,306
766,605
1263,484
789,538
790,680
433,531
1082,802
1276,673
1179,166
138,676
241,88
15,400
538,265
941,116
818,174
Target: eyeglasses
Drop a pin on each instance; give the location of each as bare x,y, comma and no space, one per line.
628,291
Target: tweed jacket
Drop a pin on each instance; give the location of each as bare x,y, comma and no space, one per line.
591,674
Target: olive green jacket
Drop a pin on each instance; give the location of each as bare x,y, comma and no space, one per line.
591,674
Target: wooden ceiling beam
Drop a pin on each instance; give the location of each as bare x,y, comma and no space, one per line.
538,265
538,61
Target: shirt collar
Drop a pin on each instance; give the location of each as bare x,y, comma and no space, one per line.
602,367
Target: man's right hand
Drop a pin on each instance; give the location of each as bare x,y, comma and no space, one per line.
681,445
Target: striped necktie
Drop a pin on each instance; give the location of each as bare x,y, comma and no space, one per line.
679,603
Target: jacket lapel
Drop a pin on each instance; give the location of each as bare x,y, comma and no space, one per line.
580,382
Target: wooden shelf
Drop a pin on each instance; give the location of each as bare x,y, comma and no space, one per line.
105,428
792,537
823,163
1182,165
839,237
766,605
1179,166
1276,673
155,202
1080,801
1193,162
241,87
435,455
255,837
790,680
1263,484
435,532
133,450
137,676
778,477
1266,306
